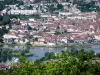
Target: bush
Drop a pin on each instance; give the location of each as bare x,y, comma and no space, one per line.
28,43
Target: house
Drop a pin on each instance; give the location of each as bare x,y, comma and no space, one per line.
51,44
79,38
3,67
15,37
96,59
97,36
44,15
62,40
50,40
21,40
9,38
64,13
23,12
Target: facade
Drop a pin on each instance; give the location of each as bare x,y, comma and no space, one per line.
23,12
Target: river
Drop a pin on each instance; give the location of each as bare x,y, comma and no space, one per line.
39,52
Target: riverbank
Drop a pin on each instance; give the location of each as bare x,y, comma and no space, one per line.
19,44
53,46
39,51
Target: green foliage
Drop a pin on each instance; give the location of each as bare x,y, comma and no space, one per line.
51,8
9,2
66,0
3,30
65,63
98,55
57,33
86,7
24,53
5,20
37,1
5,54
35,39
36,16
59,6
28,54
48,56
16,54
28,43
1,17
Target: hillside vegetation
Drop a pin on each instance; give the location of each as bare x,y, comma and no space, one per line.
64,63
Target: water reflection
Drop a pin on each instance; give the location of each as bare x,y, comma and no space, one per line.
96,48
5,54
38,52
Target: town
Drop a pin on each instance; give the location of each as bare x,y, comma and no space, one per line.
61,27
50,37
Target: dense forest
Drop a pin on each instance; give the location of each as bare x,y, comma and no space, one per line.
64,63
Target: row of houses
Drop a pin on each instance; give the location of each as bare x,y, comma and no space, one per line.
53,30
48,39
23,12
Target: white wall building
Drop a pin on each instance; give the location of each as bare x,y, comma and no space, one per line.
23,12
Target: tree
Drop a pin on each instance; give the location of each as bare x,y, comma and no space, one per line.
9,2
28,43
63,64
57,33
1,18
35,39
59,6
66,0
51,8
5,20
98,55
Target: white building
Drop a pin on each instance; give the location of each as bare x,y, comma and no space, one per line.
23,12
